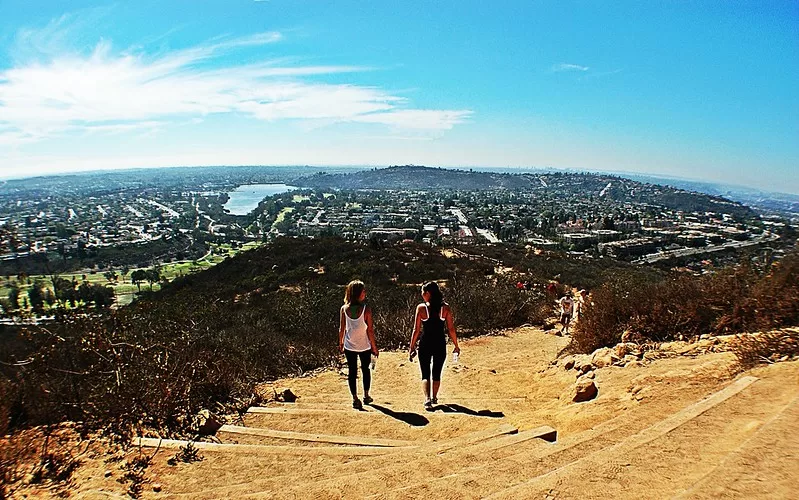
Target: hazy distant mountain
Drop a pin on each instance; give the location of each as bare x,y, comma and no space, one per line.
764,200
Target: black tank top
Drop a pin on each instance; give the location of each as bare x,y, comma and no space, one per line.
433,331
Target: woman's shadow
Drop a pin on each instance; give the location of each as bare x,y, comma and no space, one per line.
413,419
456,408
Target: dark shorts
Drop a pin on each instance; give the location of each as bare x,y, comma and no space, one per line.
565,318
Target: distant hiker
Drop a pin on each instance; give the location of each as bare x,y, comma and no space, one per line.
433,319
566,309
356,339
552,290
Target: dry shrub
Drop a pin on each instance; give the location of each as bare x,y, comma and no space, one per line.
734,300
486,304
767,347
393,311
771,301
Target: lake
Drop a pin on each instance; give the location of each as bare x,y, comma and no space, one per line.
244,199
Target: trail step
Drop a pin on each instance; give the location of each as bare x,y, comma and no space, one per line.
316,438
722,470
262,449
418,467
529,465
399,455
641,438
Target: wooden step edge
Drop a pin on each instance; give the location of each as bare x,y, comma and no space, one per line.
285,410
315,438
174,444
343,409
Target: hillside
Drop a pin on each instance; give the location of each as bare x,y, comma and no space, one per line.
206,341
678,423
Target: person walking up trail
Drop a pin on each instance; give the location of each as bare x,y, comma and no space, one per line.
566,310
356,339
433,317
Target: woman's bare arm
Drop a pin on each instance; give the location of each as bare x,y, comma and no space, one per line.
370,331
451,328
342,323
417,326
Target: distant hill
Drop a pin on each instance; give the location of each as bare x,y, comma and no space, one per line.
414,177
417,177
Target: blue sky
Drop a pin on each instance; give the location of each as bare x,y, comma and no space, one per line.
702,90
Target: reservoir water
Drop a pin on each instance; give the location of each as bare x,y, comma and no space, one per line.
244,199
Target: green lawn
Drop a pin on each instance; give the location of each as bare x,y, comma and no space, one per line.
124,289
282,215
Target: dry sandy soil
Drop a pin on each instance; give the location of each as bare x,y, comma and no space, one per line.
682,425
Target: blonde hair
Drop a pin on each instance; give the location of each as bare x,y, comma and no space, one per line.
352,294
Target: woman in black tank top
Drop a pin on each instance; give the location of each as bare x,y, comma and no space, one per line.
432,324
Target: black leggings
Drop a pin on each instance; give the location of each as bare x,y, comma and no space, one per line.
435,355
352,364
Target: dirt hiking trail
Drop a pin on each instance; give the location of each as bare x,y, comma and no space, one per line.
682,424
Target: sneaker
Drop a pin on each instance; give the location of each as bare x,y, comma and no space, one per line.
428,405
367,400
356,403
434,401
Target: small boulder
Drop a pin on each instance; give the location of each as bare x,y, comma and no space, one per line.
582,362
651,355
568,362
584,390
157,487
626,348
602,357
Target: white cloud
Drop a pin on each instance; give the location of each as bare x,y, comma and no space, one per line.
110,91
568,67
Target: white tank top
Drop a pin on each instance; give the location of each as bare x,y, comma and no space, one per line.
355,337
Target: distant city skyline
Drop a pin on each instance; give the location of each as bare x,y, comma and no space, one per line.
692,90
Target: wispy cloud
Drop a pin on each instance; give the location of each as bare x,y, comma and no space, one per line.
108,91
568,67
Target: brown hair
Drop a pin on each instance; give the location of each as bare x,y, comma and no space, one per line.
352,294
436,297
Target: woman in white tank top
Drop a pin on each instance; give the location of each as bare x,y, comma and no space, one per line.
356,339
